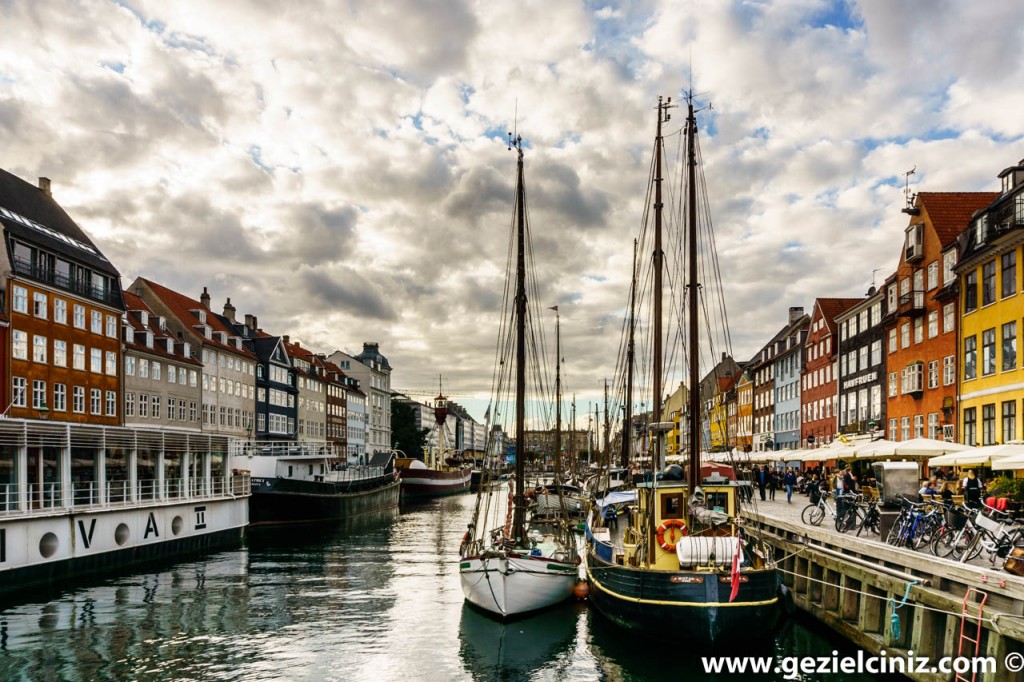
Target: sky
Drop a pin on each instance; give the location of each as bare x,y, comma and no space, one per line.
340,169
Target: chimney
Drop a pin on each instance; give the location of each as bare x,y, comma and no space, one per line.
795,313
249,322
204,298
229,311
286,338
44,184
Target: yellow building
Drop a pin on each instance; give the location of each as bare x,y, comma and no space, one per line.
991,377
673,410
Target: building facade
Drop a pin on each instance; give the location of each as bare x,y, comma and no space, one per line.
789,365
373,372
861,368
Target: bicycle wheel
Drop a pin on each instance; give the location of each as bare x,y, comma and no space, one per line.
963,542
896,530
944,542
813,515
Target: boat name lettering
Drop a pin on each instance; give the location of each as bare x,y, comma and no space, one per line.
686,579
728,579
863,379
200,517
86,535
151,527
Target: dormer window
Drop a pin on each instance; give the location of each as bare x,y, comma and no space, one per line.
238,342
170,345
161,322
981,229
200,315
149,339
207,332
915,242
144,317
187,349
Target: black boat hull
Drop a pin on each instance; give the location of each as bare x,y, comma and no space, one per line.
302,502
693,606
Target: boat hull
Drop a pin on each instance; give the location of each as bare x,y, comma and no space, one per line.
434,483
509,585
692,605
286,501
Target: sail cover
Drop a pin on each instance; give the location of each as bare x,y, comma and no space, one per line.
618,497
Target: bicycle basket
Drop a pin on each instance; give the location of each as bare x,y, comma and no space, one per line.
956,518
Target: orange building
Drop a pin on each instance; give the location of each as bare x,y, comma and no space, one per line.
65,307
921,317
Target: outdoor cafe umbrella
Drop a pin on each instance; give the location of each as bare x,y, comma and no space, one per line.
928,447
874,449
1013,461
984,456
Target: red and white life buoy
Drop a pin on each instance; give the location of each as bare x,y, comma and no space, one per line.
669,544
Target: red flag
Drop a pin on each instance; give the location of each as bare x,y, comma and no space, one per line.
735,578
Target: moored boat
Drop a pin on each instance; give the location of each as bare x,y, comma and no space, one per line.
441,471
306,482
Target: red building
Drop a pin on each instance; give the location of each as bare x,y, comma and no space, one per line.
818,383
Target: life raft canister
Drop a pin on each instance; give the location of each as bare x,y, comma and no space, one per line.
670,545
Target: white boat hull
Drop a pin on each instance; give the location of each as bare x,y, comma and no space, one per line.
512,584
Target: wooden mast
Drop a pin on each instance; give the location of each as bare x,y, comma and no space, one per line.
519,500
659,257
693,475
627,417
558,395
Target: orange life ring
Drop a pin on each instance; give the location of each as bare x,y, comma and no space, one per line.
669,545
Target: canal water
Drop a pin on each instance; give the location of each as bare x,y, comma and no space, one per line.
374,600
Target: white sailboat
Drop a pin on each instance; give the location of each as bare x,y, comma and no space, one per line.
510,564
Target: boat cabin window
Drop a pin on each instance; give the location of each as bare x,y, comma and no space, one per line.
718,501
671,506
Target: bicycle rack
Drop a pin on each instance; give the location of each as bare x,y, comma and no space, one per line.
976,640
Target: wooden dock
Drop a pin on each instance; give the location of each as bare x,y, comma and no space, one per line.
855,585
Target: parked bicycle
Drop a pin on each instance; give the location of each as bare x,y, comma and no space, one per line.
814,513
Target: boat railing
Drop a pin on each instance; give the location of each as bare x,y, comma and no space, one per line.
49,497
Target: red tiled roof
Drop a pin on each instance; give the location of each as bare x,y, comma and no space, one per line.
181,307
133,302
950,212
830,307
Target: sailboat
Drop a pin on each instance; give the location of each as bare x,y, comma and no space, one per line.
509,564
674,555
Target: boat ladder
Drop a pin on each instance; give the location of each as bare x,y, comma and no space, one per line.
978,598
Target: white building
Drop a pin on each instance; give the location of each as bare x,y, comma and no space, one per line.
373,372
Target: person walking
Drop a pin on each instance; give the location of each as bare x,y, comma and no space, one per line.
762,480
790,482
773,483
972,490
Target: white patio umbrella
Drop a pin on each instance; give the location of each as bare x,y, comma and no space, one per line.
875,449
984,456
1012,462
928,447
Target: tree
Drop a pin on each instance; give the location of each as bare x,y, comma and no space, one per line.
404,434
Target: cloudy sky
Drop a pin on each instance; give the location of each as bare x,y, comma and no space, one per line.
339,169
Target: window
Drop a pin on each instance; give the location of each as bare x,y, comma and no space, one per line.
111,326
905,335
971,291
948,263
156,371
1009,420
79,319
193,379
905,428
949,370
171,404
933,374
19,389
38,348
129,365
129,404
933,275
933,324
933,425
890,299
95,401
988,424
60,311
862,355
1009,346
918,330
970,357
893,346
156,406
876,352
96,360
1009,275
181,410
876,402
38,394
143,405
912,378
39,305
20,299
988,283
60,353
948,317
97,322
144,368
193,411
111,363
78,399
19,345
893,386
78,356
892,429
988,352
172,374
918,426
60,397
970,425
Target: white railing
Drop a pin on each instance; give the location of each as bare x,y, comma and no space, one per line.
47,497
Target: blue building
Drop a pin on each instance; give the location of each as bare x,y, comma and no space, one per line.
789,363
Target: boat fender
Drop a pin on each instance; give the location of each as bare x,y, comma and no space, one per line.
786,599
668,545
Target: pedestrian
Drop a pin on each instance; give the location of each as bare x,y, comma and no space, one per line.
773,483
789,481
762,480
972,490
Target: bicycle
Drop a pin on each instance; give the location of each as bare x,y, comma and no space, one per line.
814,513
852,515
871,519
995,536
914,525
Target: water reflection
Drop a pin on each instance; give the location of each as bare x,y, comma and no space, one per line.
520,650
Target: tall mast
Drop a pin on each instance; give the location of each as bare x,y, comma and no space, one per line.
519,500
558,394
627,418
691,224
659,258
606,453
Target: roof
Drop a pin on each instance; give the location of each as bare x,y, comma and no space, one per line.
48,224
181,307
371,353
134,303
830,307
950,212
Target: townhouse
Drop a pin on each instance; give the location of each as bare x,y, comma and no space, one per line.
373,372
861,370
818,382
